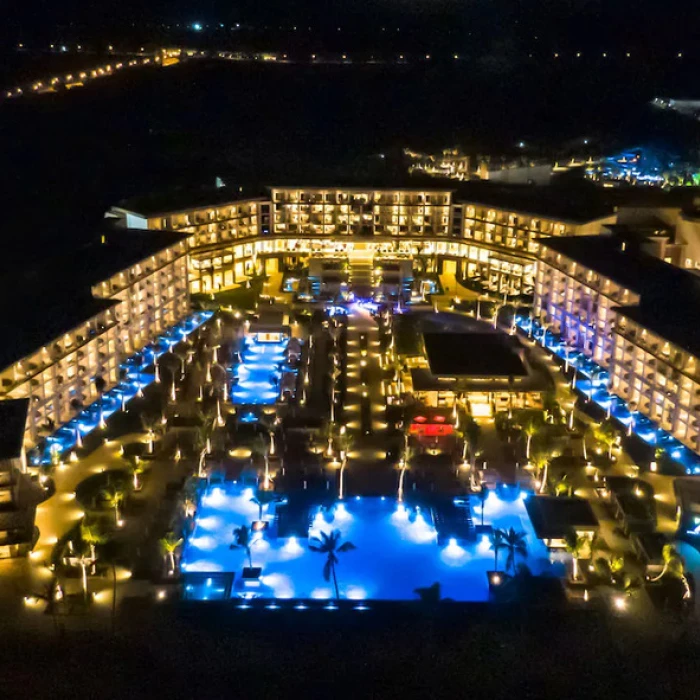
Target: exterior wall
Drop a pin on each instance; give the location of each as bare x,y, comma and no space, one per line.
153,295
363,212
217,224
226,240
577,302
59,378
660,378
504,243
9,480
689,231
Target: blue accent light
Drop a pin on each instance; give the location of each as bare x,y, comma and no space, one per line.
591,381
65,437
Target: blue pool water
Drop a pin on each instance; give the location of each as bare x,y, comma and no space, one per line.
258,377
396,553
137,378
591,381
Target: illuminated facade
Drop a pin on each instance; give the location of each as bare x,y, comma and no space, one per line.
504,243
659,378
100,326
233,238
634,314
577,302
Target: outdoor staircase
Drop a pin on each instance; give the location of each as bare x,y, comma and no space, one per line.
361,279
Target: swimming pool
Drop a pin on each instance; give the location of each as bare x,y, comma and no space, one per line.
259,378
396,550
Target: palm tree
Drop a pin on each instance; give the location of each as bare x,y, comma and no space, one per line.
541,461
497,537
169,545
345,442
429,594
607,435
404,462
114,497
576,545
243,539
84,560
562,487
530,429
328,544
472,431
137,469
328,433
514,543
673,566
262,447
262,499
91,535
482,495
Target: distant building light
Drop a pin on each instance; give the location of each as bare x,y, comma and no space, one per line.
197,27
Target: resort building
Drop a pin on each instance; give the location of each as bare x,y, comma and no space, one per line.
19,496
554,518
471,362
504,241
233,234
113,298
611,298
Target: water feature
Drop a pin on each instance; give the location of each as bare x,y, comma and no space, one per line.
262,374
396,551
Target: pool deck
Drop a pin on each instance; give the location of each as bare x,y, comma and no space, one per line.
396,549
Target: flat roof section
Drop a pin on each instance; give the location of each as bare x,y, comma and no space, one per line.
182,200
473,355
632,268
555,203
42,300
13,422
42,318
678,322
553,517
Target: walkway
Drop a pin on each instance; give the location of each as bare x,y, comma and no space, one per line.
365,403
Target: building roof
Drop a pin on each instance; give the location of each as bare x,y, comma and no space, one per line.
687,490
669,295
680,325
473,354
560,204
55,292
631,267
13,422
41,317
553,517
185,199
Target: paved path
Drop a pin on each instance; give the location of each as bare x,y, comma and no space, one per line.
364,374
